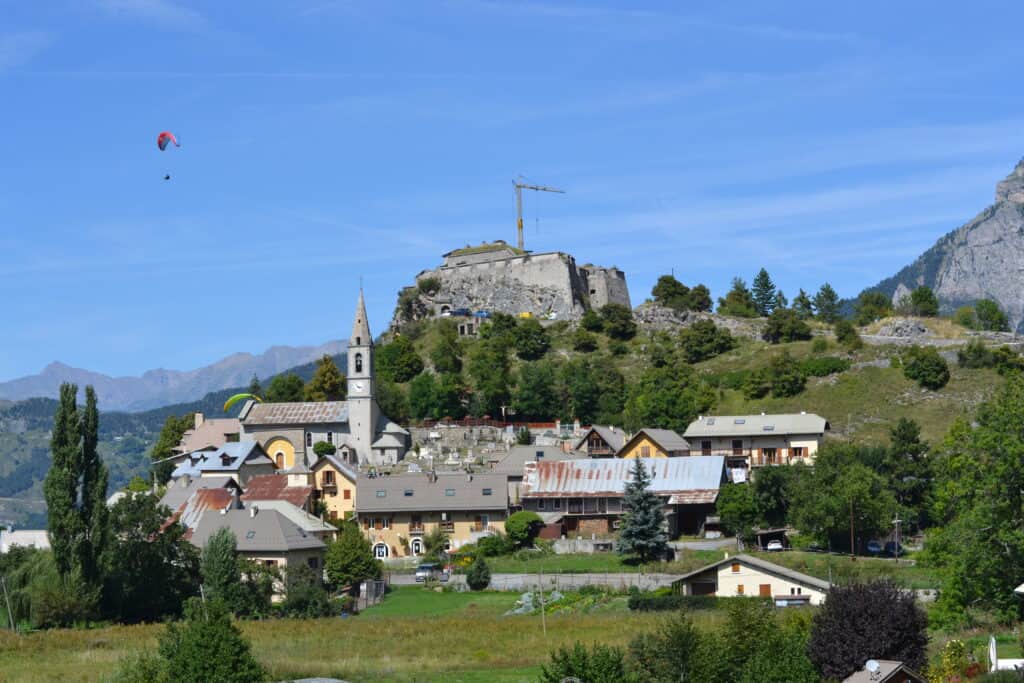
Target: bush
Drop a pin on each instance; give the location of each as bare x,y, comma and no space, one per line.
429,285
618,322
846,334
925,366
704,340
531,339
784,325
494,545
584,341
305,597
479,575
819,345
975,355
601,664
824,366
966,317
785,376
205,648
322,448
617,347
522,527
591,321
990,316
923,302
662,601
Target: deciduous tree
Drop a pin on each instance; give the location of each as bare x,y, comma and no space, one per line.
286,388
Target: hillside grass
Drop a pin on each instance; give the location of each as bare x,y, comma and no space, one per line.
598,563
841,569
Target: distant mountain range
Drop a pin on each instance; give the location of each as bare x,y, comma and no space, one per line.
157,388
983,259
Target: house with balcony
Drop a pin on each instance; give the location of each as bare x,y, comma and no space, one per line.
601,442
334,484
748,441
584,497
396,511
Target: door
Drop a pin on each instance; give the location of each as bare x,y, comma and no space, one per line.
765,590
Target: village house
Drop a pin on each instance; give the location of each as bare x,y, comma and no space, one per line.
885,671
311,524
334,484
513,466
754,440
292,487
25,538
240,460
584,497
181,489
264,536
208,432
752,576
396,511
361,433
601,442
654,443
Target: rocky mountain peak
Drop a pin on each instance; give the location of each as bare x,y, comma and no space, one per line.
1012,188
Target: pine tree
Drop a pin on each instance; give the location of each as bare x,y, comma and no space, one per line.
94,512
479,575
327,384
642,535
219,566
780,302
826,304
254,386
738,301
803,306
763,291
60,487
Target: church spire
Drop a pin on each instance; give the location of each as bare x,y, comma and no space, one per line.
360,328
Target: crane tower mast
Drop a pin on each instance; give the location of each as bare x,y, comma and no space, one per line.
519,187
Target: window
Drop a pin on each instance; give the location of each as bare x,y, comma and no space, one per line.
313,562
269,563
797,451
416,546
309,439
380,551
407,493
737,447
386,523
381,493
769,455
739,421
330,437
540,504
333,514
359,360
768,428
487,492
449,492
705,447
378,523
328,478
366,523
735,567
645,451
279,459
557,505
739,589
348,494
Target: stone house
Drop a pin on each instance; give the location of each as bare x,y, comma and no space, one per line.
754,577
208,432
654,443
334,483
584,497
397,511
754,440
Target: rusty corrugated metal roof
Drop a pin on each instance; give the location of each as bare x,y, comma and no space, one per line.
607,478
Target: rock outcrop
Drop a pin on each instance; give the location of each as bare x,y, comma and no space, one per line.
982,259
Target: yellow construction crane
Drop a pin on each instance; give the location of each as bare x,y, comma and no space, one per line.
519,204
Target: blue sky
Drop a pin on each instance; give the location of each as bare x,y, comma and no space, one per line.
323,141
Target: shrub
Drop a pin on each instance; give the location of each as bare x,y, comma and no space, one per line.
785,376
322,448
304,596
756,384
584,341
429,285
871,306
819,345
663,601
479,575
990,316
618,321
591,321
704,340
923,302
925,366
531,339
966,317
824,366
784,325
1008,360
494,545
601,664
975,355
846,334
617,347
522,527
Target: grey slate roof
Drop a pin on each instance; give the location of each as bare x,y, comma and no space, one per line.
296,515
585,477
613,436
308,412
756,425
666,438
387,493
178,491
266,531
513,463
763,565
887,670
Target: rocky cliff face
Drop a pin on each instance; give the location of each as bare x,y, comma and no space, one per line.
982,259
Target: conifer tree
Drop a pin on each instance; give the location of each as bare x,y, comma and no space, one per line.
642,535
255,388
763,291
219,566
826,304
738,301
327,384
803,306
780,301
349,560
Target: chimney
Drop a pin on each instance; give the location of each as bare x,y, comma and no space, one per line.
253,510
184,480
199,420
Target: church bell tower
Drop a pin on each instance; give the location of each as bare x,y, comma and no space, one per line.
363,412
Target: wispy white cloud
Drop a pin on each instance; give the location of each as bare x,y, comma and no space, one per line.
17,49
162,12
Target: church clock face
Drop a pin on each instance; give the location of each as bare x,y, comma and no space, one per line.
359,386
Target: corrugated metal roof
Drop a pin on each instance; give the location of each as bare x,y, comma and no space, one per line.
321,412
192,510
179,490
443,492
607,478
757,425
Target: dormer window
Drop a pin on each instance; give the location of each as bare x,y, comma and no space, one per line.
359,359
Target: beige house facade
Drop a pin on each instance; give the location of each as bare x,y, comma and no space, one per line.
746,575
395,512
334,483
748,441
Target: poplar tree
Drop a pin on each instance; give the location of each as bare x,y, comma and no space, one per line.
219,566
642,535
763,290
60,487
94,512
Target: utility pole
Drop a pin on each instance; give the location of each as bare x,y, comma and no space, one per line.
519,187
897,521
543,616
853,555
7,599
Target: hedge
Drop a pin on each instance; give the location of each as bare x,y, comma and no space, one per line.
659,601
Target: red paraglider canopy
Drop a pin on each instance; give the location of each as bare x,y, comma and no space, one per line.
164,138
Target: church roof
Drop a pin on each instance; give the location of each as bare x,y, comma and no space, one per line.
304,413
361,326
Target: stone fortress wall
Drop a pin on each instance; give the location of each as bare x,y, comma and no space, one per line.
498,278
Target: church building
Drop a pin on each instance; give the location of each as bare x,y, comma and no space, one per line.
361,433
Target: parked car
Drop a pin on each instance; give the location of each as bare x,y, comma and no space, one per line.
892,548
428,570
774,546
464,312
874,548
482,314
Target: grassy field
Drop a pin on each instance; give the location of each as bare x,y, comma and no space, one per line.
415,635
599,563
843,569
